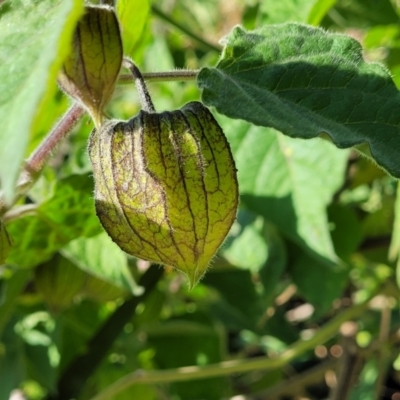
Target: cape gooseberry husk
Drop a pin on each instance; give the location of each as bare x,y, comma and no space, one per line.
165,186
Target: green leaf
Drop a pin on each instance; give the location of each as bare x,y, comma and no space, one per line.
132,16
271,273
100,257
34,42
319,10
364,13
306,82
256,246
274,12
245,309
10,290
59,281
5,243
319,284
381,36
67,215
91,69
246,247
38,332
284,180
346,230
12,363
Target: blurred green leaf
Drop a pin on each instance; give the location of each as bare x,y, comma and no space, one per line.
59,281
246,247
153,305
278,179
275,12
319,284
379,223
362,13
31,55
132,16
78,325
279,327
5,242
12,363
188,340
256,246
346,230
101,290
67,215
10,290
271,272
238,290
41,357
101,257
381,35
319,10
306,82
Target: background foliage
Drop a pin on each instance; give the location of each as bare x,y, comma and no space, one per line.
314,246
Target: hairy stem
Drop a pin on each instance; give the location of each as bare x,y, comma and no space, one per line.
167,76
40,156
144,95
329,330
204,43
36,162
19,212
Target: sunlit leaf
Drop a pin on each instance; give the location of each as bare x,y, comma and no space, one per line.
273,12
306,82
101,257
284,180
35,38
319,10
132,16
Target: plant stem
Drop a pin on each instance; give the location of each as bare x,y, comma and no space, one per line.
19,212
293,385
384,352
40,156
235,366
350,364
36,162
167,76
144,95
207,45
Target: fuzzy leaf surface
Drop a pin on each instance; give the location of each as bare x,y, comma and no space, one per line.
307,82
